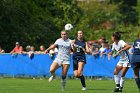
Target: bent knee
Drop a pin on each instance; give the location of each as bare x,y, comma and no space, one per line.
51,70
76,75
79,74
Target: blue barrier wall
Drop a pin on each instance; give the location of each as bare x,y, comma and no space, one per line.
40,65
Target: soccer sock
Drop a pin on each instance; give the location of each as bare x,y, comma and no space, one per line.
117,81
121,82
63,82
82,78
138,82
53,74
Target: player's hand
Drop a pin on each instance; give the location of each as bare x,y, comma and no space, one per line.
46,51
116,54
72,42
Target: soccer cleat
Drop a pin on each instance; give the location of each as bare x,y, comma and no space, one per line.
120,90
51,78
84,88
116,90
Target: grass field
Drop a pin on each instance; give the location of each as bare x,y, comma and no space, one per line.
14,85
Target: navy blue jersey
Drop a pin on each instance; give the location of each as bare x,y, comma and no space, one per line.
79,48
136,47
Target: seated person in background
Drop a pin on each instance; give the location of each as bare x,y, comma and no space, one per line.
107,50
1,50
17,49
42,50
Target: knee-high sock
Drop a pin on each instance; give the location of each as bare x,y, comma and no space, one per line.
121,82
117,81
63,82
82,78
138,82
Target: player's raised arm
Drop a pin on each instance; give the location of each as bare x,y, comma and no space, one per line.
73,45
87,48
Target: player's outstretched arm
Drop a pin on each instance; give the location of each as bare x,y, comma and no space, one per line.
51,47
73,45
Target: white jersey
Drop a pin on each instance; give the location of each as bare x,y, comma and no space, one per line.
64,47
119,46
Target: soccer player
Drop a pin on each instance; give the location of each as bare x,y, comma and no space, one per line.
123,65
63,57
135,62
79,57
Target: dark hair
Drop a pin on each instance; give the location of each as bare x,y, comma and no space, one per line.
64,31
117,35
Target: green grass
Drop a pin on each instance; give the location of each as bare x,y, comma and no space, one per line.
14,85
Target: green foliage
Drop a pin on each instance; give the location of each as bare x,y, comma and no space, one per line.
94,15
34,22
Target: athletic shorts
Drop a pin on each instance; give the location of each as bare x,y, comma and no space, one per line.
135,58
61,61
124,64
135,61
135,65
76,60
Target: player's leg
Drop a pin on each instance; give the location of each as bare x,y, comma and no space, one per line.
124,70
53,68
116,77
75,68
65,68
137,79
80,74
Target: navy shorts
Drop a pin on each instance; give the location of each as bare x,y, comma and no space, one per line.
135,65
76,60
135,61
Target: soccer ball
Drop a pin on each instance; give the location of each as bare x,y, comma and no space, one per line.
68,27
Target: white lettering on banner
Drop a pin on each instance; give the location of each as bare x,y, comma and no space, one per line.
138,45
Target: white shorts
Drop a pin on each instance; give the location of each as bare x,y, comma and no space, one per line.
124,64
61,61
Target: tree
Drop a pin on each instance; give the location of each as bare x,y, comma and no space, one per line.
34,22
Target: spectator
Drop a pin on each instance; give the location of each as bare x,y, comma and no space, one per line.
107,50
96,52
102,48
28,48
31,52
42,50
17,49
103,39
1,50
